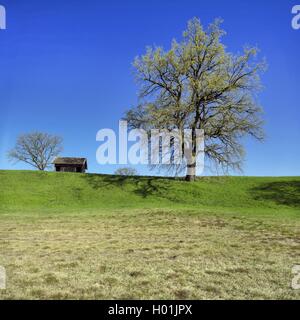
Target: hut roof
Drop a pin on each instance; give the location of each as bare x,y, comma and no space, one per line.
71,161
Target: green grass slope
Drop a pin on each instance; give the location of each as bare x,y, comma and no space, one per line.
31,190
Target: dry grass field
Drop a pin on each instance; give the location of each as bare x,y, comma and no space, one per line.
146,253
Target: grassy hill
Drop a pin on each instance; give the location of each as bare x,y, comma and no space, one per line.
30,190
85,236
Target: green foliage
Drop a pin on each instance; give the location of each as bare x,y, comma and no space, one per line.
197,84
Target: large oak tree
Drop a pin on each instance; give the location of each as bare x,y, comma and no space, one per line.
198,84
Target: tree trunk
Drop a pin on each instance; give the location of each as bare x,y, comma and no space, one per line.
191,172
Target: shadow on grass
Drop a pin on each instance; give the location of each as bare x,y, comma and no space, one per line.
281,192
142,186
150,186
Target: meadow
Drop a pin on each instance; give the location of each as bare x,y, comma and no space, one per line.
88,236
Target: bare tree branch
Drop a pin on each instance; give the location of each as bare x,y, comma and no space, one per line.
37,149
198,85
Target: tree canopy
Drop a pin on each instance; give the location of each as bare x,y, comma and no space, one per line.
36,149
198,84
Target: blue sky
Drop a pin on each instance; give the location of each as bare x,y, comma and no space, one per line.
65,68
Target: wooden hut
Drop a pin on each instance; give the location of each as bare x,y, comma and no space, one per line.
70,165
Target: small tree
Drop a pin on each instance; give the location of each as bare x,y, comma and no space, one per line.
37,149
198,84
126,172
